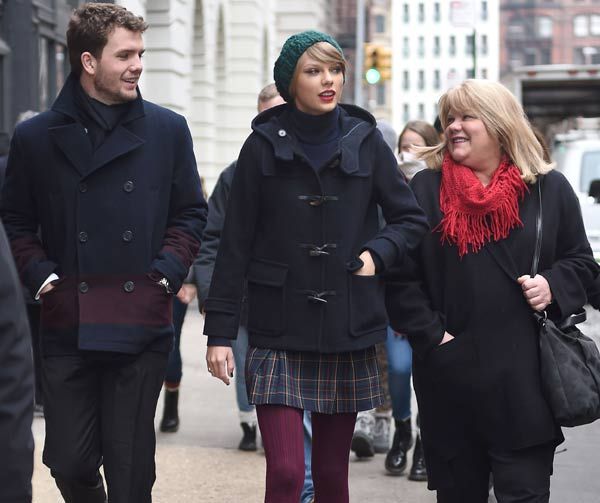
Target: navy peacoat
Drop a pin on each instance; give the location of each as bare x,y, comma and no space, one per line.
295,234
112,222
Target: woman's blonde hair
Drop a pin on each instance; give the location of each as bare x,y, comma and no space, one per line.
503,118
324,53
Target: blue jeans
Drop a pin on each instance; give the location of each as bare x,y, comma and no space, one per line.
399,355
308,490
173,374
240,349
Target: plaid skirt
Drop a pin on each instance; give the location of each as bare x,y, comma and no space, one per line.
318,382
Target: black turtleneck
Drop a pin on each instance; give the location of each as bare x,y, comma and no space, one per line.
98,118
318,135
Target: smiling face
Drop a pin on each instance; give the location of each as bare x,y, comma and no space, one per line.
114,76
317,86
470,144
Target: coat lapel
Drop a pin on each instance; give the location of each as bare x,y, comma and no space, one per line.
72,139
119,142
499,252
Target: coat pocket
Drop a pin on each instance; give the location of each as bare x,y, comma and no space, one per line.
366,304
266,297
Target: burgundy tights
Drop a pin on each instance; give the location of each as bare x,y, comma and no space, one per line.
283,439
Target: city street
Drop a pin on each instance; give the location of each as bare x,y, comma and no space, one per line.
201,463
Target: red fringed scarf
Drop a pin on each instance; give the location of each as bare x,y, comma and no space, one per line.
474,214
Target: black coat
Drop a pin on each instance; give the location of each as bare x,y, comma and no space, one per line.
16,385
486,381
295,234
112,221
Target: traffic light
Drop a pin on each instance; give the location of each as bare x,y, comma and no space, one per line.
378,63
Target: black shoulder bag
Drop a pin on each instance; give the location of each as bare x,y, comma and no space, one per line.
569,361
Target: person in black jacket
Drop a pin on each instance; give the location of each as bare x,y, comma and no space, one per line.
302,229
16,385
466,300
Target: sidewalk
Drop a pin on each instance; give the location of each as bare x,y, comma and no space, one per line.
201,463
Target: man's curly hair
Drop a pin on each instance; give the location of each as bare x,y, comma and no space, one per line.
91,24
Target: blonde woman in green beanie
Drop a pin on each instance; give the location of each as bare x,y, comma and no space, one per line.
302,230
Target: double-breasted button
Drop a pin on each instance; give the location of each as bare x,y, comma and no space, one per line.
282,133
83,187
83,287
129,286
127,236
128,186
83,237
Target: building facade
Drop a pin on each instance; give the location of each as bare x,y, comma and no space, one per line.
436,45
549,32
206,59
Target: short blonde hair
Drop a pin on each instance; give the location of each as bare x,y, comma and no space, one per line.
324,53
504,119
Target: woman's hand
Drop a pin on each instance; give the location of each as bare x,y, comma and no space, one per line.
368,268
536,291
187,293
447,338
220,363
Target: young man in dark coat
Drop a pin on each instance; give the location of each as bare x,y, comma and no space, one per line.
111,181
16,385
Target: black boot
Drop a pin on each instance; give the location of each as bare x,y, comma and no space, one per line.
395,461
73,492
418,470
248,442
170,419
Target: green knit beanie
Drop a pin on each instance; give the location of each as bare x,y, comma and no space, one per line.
291,51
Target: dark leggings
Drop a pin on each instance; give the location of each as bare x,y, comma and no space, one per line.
283,438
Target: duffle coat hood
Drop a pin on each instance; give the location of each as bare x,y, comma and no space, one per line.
295,234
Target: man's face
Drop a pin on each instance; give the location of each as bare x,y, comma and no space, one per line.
119,68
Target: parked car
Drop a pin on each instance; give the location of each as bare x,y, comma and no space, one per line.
577,156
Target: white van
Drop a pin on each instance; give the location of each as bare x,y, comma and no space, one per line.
579,160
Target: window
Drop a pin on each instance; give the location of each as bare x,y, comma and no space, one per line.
406,80
470,73
452,47
405,112
484,44
406,13
406,47
380,23
381,95
437,84
530,58
590,169
544,27
469,45
421,111
484,11
437,15
595,24
545,57
580,26
421,49
421,13
436,46
421,83
484,73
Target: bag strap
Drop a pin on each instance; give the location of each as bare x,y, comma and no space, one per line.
538,232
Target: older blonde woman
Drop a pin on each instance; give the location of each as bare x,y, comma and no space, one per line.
466,300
